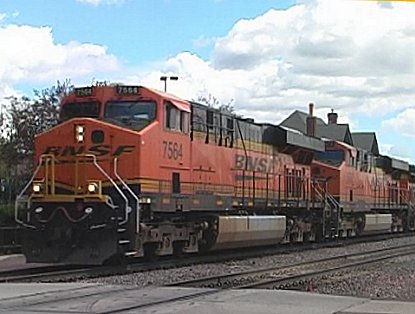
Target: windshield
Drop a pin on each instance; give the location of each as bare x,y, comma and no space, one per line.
79,109
134,114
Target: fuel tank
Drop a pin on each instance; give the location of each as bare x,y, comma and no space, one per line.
377,223
245,231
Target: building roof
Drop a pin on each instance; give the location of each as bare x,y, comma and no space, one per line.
298,121
339,132
366,141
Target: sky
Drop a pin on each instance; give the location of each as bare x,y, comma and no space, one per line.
267,58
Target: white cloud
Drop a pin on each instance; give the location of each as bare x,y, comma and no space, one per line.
398,151
5,16
327,46
353,56
96,3
203,41
30,55
402,122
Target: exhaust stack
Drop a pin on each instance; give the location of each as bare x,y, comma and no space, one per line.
311,121
332,117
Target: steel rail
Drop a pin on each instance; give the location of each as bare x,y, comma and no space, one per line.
191,294
270,275
303,277
71,273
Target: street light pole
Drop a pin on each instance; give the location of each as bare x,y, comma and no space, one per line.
165,78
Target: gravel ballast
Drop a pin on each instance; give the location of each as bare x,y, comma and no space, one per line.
392,279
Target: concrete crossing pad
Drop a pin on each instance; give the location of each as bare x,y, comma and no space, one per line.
94,298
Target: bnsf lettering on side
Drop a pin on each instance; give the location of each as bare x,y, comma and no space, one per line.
259,164
97,150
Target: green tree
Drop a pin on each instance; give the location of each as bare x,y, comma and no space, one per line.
29,117
212,101
24,118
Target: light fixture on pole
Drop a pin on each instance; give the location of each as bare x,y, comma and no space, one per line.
165,78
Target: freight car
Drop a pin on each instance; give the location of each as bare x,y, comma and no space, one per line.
131,171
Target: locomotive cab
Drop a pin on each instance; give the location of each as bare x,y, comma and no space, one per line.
132,112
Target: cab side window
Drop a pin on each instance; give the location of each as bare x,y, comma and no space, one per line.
176,120
184,122
172,117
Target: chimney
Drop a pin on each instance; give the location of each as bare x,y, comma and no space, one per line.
332,117
311,121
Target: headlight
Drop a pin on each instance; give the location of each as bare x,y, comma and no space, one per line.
38,210
79,133
80,129
93,187
37,187
145,200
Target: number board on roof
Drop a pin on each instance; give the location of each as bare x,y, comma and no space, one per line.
84,91
128,90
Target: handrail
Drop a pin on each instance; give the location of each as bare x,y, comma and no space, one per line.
326,195
319,190
129,190
44,160
20,196
333,200
94,158
334,205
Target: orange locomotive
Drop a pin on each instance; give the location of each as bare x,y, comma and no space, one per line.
131,171
367,193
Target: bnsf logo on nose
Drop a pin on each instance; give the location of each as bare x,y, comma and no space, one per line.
97,150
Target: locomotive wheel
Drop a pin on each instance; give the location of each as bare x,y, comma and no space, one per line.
360,224
411,222
318,230
178,248
150,251
116,260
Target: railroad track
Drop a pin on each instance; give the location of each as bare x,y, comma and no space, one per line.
280,277
64,273
269,278
296,275
42,274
